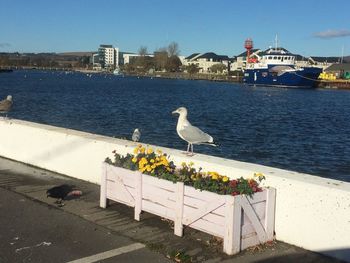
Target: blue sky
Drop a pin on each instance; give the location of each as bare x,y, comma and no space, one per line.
307,27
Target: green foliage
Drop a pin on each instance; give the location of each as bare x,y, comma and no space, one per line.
218,68
192,69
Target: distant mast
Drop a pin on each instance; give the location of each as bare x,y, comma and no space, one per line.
276,42
248,44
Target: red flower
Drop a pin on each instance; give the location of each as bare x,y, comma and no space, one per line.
233,183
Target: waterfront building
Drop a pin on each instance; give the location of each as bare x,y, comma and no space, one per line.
106,58
239,61
128,57
96,65
205,61
339,70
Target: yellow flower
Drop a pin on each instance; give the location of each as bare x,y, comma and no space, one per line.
183,164
214,177
136,150
151,161
153,166
191,163
193,177
144,160
225,179
134,160
148,168
149,151
260,176
142,150
140,145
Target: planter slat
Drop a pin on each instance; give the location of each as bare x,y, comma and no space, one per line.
204,210
249,241
158,199
254,219
128,178
147,188
159,183
158,209
257,198
241,221
248,228
211,217
204,196
208,227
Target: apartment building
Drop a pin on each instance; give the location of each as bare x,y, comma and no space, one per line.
106,58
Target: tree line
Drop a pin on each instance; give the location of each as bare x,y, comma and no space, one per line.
164,59
43,60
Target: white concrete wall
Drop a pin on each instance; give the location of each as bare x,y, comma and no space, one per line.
311,212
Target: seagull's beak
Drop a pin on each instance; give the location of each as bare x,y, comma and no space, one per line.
175,112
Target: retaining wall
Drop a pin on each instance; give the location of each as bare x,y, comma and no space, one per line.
311,212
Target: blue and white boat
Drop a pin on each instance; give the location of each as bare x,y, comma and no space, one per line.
277,67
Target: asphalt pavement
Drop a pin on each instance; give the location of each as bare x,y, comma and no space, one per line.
35,229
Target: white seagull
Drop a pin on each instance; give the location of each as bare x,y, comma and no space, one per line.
189,133
136,135
6,104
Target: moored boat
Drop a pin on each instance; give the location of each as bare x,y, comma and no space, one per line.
276,67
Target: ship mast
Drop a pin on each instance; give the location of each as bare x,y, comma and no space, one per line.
276,42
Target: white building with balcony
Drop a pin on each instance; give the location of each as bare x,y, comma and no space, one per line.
107,58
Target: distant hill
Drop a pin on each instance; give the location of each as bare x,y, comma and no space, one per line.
77,54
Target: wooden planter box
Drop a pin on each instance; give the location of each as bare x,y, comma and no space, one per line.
240,220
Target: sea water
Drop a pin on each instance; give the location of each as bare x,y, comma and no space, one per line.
304,130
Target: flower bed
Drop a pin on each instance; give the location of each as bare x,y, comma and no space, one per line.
218,212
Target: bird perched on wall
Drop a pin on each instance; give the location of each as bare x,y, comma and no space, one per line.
136,135
189,133
6,104
63,191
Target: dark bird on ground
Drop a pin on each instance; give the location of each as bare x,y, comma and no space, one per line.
6,104
63,191
136,135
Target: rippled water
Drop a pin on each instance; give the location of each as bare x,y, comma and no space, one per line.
301,130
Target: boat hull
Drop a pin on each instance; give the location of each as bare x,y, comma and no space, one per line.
304,78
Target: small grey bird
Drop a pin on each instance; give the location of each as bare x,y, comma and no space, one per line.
190,133
136,135
6,104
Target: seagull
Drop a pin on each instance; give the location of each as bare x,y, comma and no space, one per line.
136,135
6,104
189,133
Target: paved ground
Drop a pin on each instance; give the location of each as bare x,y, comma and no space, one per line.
34,229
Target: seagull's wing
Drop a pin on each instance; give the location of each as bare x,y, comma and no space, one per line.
193,134
5,105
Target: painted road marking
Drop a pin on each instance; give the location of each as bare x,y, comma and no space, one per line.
109,254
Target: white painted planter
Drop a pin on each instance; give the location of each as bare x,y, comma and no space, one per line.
241,221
